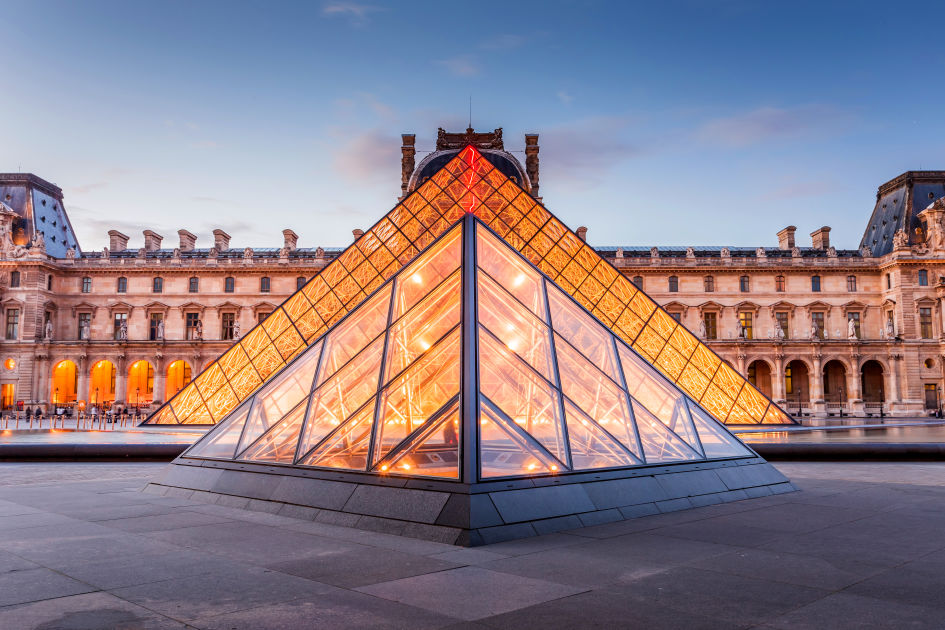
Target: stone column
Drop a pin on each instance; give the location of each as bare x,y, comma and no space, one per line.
160,376
854,386
82,386
894,398
121,380
818,406
42,368
740,362
777,381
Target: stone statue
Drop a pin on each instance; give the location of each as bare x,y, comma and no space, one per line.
123,331
795,252
84,330
70,253
198,331
900,239
814,331
654,252
831,252
778,332
702,330
48,331
176,253
284,253
865,251
39,242
213,253
619,252
10,248
248,253
690,253
742,332
160,330
319,252
761,253
851,329
105,252
890,329
236,329
726,252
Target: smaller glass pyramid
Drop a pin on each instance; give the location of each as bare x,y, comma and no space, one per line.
469,364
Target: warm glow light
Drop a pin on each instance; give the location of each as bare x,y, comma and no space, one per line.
424,345
554,467
519,279
9,364
417,278
532,466
384,467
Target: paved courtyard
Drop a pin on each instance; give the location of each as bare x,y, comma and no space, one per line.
861,546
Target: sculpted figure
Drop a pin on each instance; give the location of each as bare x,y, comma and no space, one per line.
48,330
70,253
778,332
84,330
123,331
702,330
160,329
890,329
851,329
814,331
236,329
247,253
198,331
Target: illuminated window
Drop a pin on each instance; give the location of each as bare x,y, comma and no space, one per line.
14,279
745,324
781,320
788,380
815,284
154,326
10,364
711,325
851,284
300,282
120,318
228,323
743,285
157,285
13,323
855,318
86,285
818,320
923,278
229,284
638,282
925,322
191,323
779,283
122,285
673,284
708,284
265,284
193,285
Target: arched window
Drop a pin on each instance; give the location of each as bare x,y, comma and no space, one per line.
122,285
709,284
14,279
157,285
638,282
265,284
743,284
299,282
673,284
193,285
815,284
923,277
86,284
229,284
779,283
851,284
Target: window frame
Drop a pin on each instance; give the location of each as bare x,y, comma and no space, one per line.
673,284
15,279
851,283
193,284
85,285
922,277
926,329
229,284
121,284
157,284
749,318
265,284
815,283
708,284
779,283
711,328
11,323
744,284
637,281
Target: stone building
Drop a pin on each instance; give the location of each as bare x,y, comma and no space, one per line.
820,330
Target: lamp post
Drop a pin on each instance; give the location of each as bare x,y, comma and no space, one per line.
137,394
840,389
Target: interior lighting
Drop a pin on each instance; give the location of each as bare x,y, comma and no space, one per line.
9,364
519,279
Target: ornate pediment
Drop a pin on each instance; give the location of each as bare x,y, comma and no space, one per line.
481,140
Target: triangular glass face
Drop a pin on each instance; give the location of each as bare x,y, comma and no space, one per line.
279,444
354,333
716,440
347,447
432,451
659,443
224,438
591,446
470,184
506,452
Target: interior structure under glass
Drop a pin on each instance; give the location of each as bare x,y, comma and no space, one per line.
556,391
469,184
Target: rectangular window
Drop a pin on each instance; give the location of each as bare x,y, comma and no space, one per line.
192,321
673,284
851,284
158,285
788,381
745,322
711,325
120,318
779,283
299,282
85,326
6,395
265,283
122,285
676,316
818,319
228,322
86,285
888,281
260,317
14,279
925,322
743,284
931,396
13,323
781,319
155,331
638,282
49,282
815,284
229,284
855,318
923,278
194,285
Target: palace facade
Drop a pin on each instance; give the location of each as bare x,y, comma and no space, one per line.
821,331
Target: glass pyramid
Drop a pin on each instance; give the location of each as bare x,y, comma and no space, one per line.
469,184
468,365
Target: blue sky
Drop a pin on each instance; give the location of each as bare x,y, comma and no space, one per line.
671,123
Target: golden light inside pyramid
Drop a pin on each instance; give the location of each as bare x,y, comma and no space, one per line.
470,184
386,390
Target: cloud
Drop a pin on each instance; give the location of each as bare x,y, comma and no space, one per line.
372,155
766,124
461,66
581,152
507,41
565,97
357,13
84,188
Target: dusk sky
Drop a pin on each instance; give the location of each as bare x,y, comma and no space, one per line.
670,123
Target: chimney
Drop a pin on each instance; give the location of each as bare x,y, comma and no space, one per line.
357,234
786,237
531,161
408,151
187,240
152,240
582,233
117,242
290,240
221,240
821,238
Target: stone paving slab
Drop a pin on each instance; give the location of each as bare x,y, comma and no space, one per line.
858,547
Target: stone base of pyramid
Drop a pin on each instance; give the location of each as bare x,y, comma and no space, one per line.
464,514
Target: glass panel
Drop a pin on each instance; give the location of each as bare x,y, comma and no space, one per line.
776,416
659,443
591,446
418,393
511,272
350,337
503,451
526,398
278,445
595,394
582,331
348,446
432,451
514,325
423,326
716,441
653,391
427,272
340,396
280,396
164,416
221,442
